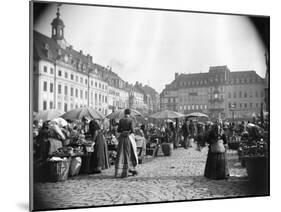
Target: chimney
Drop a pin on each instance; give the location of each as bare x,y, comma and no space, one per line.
70,47
89,57
81,52
176,75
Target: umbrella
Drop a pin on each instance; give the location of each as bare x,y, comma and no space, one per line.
167,114
250,125
47,115
119,114
82,112
169,120
197,114
60,121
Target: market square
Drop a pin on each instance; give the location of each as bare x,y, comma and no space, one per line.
125,133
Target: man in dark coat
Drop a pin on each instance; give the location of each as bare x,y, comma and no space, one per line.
185,133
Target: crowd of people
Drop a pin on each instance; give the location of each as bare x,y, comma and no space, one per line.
50,136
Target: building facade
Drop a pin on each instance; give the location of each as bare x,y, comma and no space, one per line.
220,93
64,78
136,98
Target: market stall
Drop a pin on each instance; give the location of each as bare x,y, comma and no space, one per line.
65,148
170,136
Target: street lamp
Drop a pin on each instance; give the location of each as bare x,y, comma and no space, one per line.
233,106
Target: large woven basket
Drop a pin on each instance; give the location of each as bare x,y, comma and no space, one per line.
167,149
58,170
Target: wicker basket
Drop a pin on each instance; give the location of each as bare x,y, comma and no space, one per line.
58,170
167,149
75,166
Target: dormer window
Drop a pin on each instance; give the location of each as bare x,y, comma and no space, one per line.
46,46
65,58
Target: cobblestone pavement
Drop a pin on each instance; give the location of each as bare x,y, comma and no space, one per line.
178,177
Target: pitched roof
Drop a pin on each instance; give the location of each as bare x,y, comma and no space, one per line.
216,74
48,49
150,90
239,74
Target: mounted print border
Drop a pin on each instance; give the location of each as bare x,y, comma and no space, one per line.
136,105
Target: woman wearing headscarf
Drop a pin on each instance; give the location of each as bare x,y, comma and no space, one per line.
99,159
126,159
216,165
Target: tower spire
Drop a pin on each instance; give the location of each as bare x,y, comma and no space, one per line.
58,11
58,27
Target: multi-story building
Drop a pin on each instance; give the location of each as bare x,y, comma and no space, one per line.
219,93
117,99
151,98
64,78
118,96
136,98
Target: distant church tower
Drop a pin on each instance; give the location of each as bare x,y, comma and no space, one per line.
58,30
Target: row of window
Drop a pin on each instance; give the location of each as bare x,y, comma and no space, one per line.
240,94
68,106
245,105
215,96
101,98
221,80
82,81
193,107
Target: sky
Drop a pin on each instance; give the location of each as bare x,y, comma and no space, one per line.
150,46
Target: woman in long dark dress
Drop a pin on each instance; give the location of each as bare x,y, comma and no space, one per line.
172,134
216,165
99,158
126,159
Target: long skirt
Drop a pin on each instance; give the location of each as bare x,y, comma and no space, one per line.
99,159
176,140
185,141
216,166
126,158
